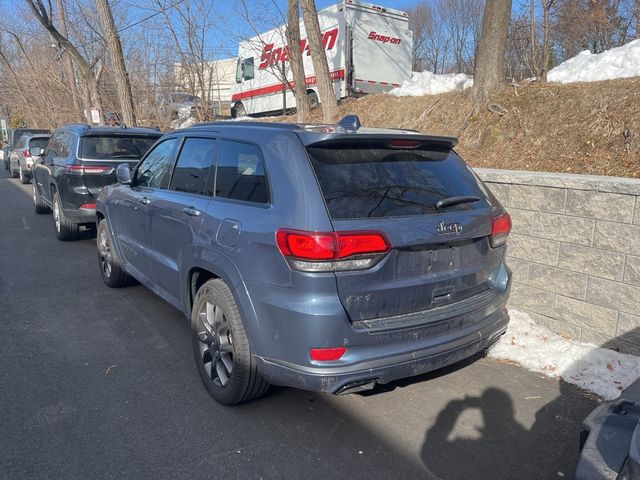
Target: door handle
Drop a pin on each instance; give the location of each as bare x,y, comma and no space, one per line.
144,201
193,212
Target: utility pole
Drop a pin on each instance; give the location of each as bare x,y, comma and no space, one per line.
123,85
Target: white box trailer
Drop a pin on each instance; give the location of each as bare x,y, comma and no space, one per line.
369,49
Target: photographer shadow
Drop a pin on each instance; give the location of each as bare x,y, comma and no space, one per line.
503,448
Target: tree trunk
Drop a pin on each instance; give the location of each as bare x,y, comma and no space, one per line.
295,57
546,5
637,18
123,86
68,65
86,71
319,59
491,51
534,60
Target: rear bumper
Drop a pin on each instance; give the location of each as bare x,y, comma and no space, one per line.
81,215
337,379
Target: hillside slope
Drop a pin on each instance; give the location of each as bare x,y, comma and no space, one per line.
589,128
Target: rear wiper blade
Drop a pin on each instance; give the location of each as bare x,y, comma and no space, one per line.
447,202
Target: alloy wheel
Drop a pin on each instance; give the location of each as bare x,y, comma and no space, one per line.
56,214
104,249
215,343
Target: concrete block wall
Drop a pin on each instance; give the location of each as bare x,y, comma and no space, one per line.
575,253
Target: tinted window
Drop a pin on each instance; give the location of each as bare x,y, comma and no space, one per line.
65,145
115,147
241,174
38,142
53,147
376,182
155,169
196,159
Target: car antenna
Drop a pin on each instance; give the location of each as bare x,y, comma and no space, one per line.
350,123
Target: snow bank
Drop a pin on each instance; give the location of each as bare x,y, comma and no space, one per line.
620,62
599,370
427,83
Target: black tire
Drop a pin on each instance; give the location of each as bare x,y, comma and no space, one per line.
313,100
112,275
221,348
39,205
23,178
65,230
239,110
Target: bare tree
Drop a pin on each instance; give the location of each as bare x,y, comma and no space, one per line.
112,39
297,67
319,59
44,16
491,51
68,65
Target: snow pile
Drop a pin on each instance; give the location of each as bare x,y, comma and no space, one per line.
183,123
599,370
620,62
427,83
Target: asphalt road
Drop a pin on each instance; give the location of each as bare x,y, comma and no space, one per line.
101,383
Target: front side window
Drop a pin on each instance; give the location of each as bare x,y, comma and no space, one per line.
154,171
197,158
241,174
248,70
105,147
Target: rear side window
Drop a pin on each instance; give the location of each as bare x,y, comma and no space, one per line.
115,147
196,160
366,182
241,174
154,171
38,142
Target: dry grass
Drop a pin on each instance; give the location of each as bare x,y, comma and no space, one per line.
580,128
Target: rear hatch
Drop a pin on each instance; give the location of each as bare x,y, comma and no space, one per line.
100,155
440,254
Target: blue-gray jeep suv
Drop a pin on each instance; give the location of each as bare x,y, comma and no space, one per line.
324,257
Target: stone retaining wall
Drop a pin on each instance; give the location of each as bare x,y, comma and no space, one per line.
575,253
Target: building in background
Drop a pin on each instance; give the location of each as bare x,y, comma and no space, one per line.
218,77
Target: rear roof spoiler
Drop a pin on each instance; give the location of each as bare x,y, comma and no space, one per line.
375,139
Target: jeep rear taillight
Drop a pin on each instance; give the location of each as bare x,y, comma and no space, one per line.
27,154
500,228
332,251
90,170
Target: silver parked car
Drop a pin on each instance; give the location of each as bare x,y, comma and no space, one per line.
21,160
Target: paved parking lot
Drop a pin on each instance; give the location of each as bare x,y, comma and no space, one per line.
100,383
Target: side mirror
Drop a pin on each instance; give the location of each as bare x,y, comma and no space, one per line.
36,151
123,174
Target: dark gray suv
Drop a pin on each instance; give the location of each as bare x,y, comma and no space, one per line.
324,257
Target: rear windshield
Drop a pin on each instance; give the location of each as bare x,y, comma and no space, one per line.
115,147
377,182
38,142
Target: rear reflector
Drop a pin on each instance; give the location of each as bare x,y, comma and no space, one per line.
328,251
88,205
327,354
500,228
